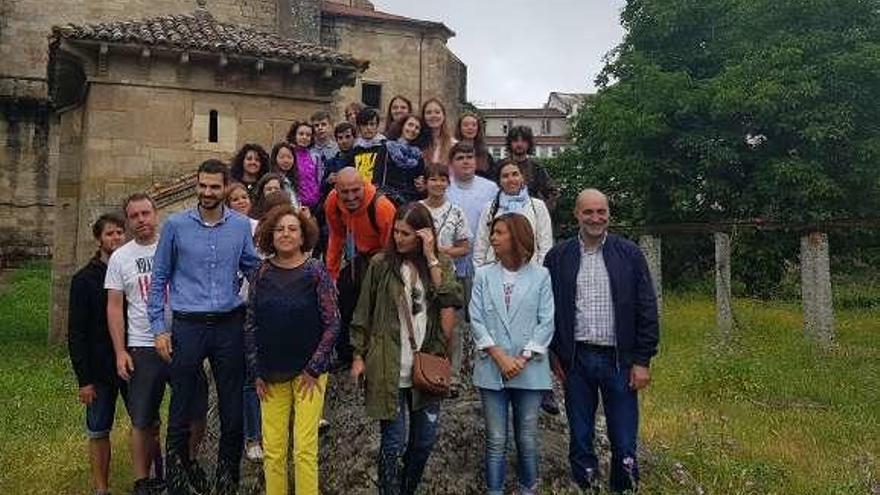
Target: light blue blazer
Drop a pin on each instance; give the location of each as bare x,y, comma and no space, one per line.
528,325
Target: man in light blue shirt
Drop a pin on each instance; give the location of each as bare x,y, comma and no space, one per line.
471,193
200,252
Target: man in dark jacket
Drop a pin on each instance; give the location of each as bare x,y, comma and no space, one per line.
91,351
606,334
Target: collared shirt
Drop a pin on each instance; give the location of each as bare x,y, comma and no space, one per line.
200,263
594,303
328,149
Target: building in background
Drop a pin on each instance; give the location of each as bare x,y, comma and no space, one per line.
567,103
407,56
103,98
549,124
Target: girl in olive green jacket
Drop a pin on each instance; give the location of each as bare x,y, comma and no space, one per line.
412,272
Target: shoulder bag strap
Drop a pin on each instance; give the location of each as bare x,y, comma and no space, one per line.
403,304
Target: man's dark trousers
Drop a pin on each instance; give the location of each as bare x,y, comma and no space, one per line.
220,339
594,372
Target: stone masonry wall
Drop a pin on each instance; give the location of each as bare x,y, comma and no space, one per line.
129,136
27,185
394,63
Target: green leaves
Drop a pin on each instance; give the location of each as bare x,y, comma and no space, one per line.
733,109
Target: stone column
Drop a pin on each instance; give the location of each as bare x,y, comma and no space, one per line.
650,246
723,310
816,288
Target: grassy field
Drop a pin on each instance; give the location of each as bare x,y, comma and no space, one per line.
767,414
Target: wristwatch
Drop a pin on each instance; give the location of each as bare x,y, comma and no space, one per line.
434,262
527,354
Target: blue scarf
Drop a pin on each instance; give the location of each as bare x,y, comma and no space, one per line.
403,155
369,143
513,203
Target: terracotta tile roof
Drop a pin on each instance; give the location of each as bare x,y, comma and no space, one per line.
341,10
173,190
201,32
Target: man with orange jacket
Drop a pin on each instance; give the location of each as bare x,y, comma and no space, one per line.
360,220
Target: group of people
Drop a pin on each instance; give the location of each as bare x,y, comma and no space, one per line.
347,248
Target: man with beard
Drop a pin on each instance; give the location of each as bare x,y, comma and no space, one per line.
520,147
200,253
606,334
91,352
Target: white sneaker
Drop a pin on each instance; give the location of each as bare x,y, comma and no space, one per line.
254,452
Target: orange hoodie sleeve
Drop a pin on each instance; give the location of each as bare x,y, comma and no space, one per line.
336,240
385,212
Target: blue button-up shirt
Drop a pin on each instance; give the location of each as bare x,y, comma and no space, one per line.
200,264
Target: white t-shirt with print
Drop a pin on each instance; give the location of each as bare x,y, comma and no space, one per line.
414,292
128,271
450,223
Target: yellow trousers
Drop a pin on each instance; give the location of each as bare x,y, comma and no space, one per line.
282,400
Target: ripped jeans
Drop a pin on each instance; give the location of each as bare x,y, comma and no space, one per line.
525,404
402,457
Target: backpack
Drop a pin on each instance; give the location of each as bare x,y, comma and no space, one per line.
371,211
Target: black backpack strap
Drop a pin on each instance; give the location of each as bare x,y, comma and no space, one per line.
371,212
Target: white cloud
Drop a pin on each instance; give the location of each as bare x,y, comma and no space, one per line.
518,51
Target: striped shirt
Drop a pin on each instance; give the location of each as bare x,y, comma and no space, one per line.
594,304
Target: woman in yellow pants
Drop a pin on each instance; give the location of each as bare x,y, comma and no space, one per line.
291,328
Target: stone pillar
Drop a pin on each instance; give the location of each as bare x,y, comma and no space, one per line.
651,248
723,310
816,288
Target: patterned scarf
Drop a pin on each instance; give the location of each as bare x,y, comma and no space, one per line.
403,155
513,203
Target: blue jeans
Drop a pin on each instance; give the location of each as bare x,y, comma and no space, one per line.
102,411
396,477
252,423
222,342
595,371
525,404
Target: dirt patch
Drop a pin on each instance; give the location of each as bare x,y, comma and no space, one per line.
349,449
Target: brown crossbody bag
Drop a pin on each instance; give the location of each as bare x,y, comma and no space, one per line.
431,374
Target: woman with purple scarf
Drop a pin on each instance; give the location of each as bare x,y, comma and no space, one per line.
401,176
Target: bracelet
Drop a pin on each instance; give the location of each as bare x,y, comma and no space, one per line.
433,263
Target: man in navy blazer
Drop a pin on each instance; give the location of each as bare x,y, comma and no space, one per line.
606,332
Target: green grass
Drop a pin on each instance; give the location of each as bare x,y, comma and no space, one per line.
42,427
766,414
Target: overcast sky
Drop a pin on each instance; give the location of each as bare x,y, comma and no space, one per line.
518,51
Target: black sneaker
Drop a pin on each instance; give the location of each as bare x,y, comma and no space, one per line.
454,391
198,480
142,487
157,485
548,403
176,479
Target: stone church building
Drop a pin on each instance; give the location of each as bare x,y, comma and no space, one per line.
99,99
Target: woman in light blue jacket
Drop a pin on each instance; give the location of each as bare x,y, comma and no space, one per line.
511,312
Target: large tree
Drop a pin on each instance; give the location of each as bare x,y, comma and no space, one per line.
736,109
